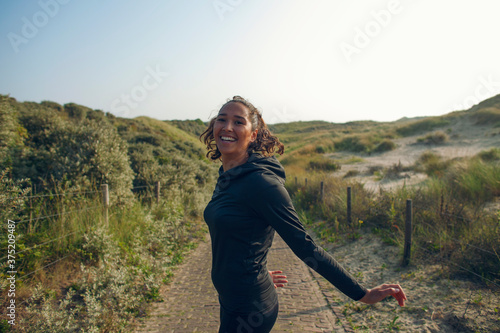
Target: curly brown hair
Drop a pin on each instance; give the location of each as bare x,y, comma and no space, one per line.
266,143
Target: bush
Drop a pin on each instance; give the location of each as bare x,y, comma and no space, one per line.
351,173
53,105
323,164
474,181
385,145
435,138
12,135
431,164
354,144
490,155
83,155
487,116
12,197
424,125
131,263
77,112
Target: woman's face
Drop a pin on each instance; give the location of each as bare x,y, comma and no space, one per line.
233,130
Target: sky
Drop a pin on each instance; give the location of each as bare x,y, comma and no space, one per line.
296,60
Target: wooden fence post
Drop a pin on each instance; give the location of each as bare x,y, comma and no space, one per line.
105,202
306,183
157,192
408,223
322,191
33,190
295,181
349,206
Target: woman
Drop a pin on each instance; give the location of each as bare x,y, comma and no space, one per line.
248,205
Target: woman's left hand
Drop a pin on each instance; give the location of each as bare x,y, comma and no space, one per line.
379,293
278,280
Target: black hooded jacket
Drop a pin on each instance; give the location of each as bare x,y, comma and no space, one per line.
248,205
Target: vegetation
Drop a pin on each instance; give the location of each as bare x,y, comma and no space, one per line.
435,138
78,274
452,221
424,125
449,219
75,273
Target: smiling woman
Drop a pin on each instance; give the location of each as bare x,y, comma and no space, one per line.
238,130
249,204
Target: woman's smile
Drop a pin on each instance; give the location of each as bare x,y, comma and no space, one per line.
233,132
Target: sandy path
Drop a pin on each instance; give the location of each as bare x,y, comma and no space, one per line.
436,303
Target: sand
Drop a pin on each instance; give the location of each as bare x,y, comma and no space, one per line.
464,139
436,302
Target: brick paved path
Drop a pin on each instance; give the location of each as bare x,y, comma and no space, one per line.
191,305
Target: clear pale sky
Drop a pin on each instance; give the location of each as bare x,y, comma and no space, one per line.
327,60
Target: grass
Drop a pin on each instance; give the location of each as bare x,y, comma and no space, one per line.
486,116
112,271
320,163
425,125
449,219
435,138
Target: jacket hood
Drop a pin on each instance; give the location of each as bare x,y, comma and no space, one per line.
255,163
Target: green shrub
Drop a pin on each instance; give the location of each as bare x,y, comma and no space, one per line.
123,265
82,155
13,197
12,134
323,164
385,145
424,125
194,127
435,138
474,181
351,173
320,149
487,116
97,115
354,144
490,155
53,105
131,260
77,112
431,164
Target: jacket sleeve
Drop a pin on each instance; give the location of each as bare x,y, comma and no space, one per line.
271,202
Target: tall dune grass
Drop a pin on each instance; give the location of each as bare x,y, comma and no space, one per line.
451,222
78,274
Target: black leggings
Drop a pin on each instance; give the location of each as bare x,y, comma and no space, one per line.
254,322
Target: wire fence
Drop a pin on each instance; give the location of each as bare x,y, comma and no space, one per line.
408,214
83,196
104,193
103,206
